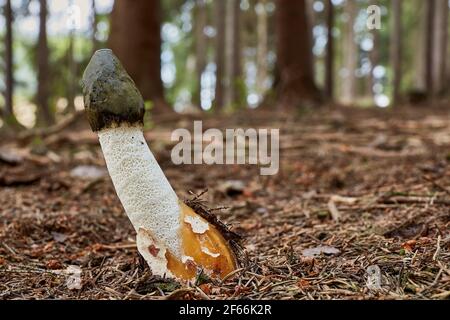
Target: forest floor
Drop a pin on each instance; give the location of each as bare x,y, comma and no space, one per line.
359,192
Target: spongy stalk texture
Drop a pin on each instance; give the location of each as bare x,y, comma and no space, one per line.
143,189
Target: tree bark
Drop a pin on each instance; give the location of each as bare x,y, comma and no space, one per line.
232,54
311,20
136,40
200,21
329,59
45,116
220,10
440,34
9,81
262,45
237,50
420,35
296,85
350,55
396,49
429,45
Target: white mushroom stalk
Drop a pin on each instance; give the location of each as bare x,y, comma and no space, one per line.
173,239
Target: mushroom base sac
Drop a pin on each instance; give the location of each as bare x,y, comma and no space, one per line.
204,247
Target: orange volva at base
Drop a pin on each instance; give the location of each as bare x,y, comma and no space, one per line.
205,248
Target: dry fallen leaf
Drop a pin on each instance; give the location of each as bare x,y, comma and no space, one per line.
73,281
313,252
59,237
302,283
88,172
409,245
10,156
53,264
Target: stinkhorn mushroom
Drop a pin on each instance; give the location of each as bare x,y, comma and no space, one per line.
174,240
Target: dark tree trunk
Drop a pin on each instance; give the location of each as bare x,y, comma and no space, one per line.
296,85
430,4
220,9
262,47
237,58
396,49
232,54
440,33
329,59
350,55
136,40
45,115
9,81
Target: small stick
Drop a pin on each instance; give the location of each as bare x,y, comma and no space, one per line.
438,248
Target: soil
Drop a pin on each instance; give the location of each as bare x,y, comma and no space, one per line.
360,192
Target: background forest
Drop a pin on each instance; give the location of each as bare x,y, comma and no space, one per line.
223,55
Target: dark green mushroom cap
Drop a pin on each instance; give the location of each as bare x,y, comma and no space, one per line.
110,95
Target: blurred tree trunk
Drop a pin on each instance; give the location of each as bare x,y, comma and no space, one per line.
237,53
232,53
440,46
420,54
312,20
94,22
229,56
329,59
396,48
135,38
220,10
429,45
296,86
262,47
9,80
350,55
200,21
45,115
375,54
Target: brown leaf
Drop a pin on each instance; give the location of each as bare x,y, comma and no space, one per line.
25,177
302,283
53,264
409,245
